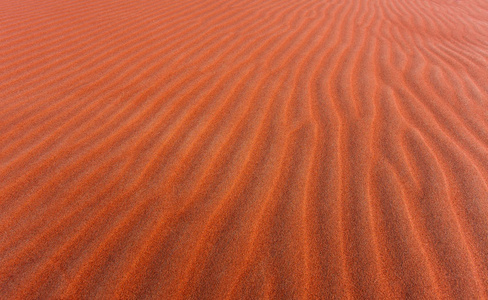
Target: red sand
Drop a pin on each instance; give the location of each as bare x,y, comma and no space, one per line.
244,149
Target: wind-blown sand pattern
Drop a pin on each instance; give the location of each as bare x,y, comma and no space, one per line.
244,149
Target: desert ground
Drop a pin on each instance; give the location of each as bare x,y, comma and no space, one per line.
244,149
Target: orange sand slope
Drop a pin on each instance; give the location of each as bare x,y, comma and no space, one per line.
250,149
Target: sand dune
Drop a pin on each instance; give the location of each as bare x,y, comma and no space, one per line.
243,149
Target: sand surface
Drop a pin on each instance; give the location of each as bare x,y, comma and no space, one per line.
258,149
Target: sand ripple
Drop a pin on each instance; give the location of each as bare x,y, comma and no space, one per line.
244,149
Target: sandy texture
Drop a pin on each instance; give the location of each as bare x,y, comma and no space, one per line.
213,149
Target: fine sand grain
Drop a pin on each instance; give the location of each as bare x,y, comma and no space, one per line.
243,149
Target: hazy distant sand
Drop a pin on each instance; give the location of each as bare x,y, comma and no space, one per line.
243,149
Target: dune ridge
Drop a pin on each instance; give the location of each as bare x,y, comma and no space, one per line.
244,149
